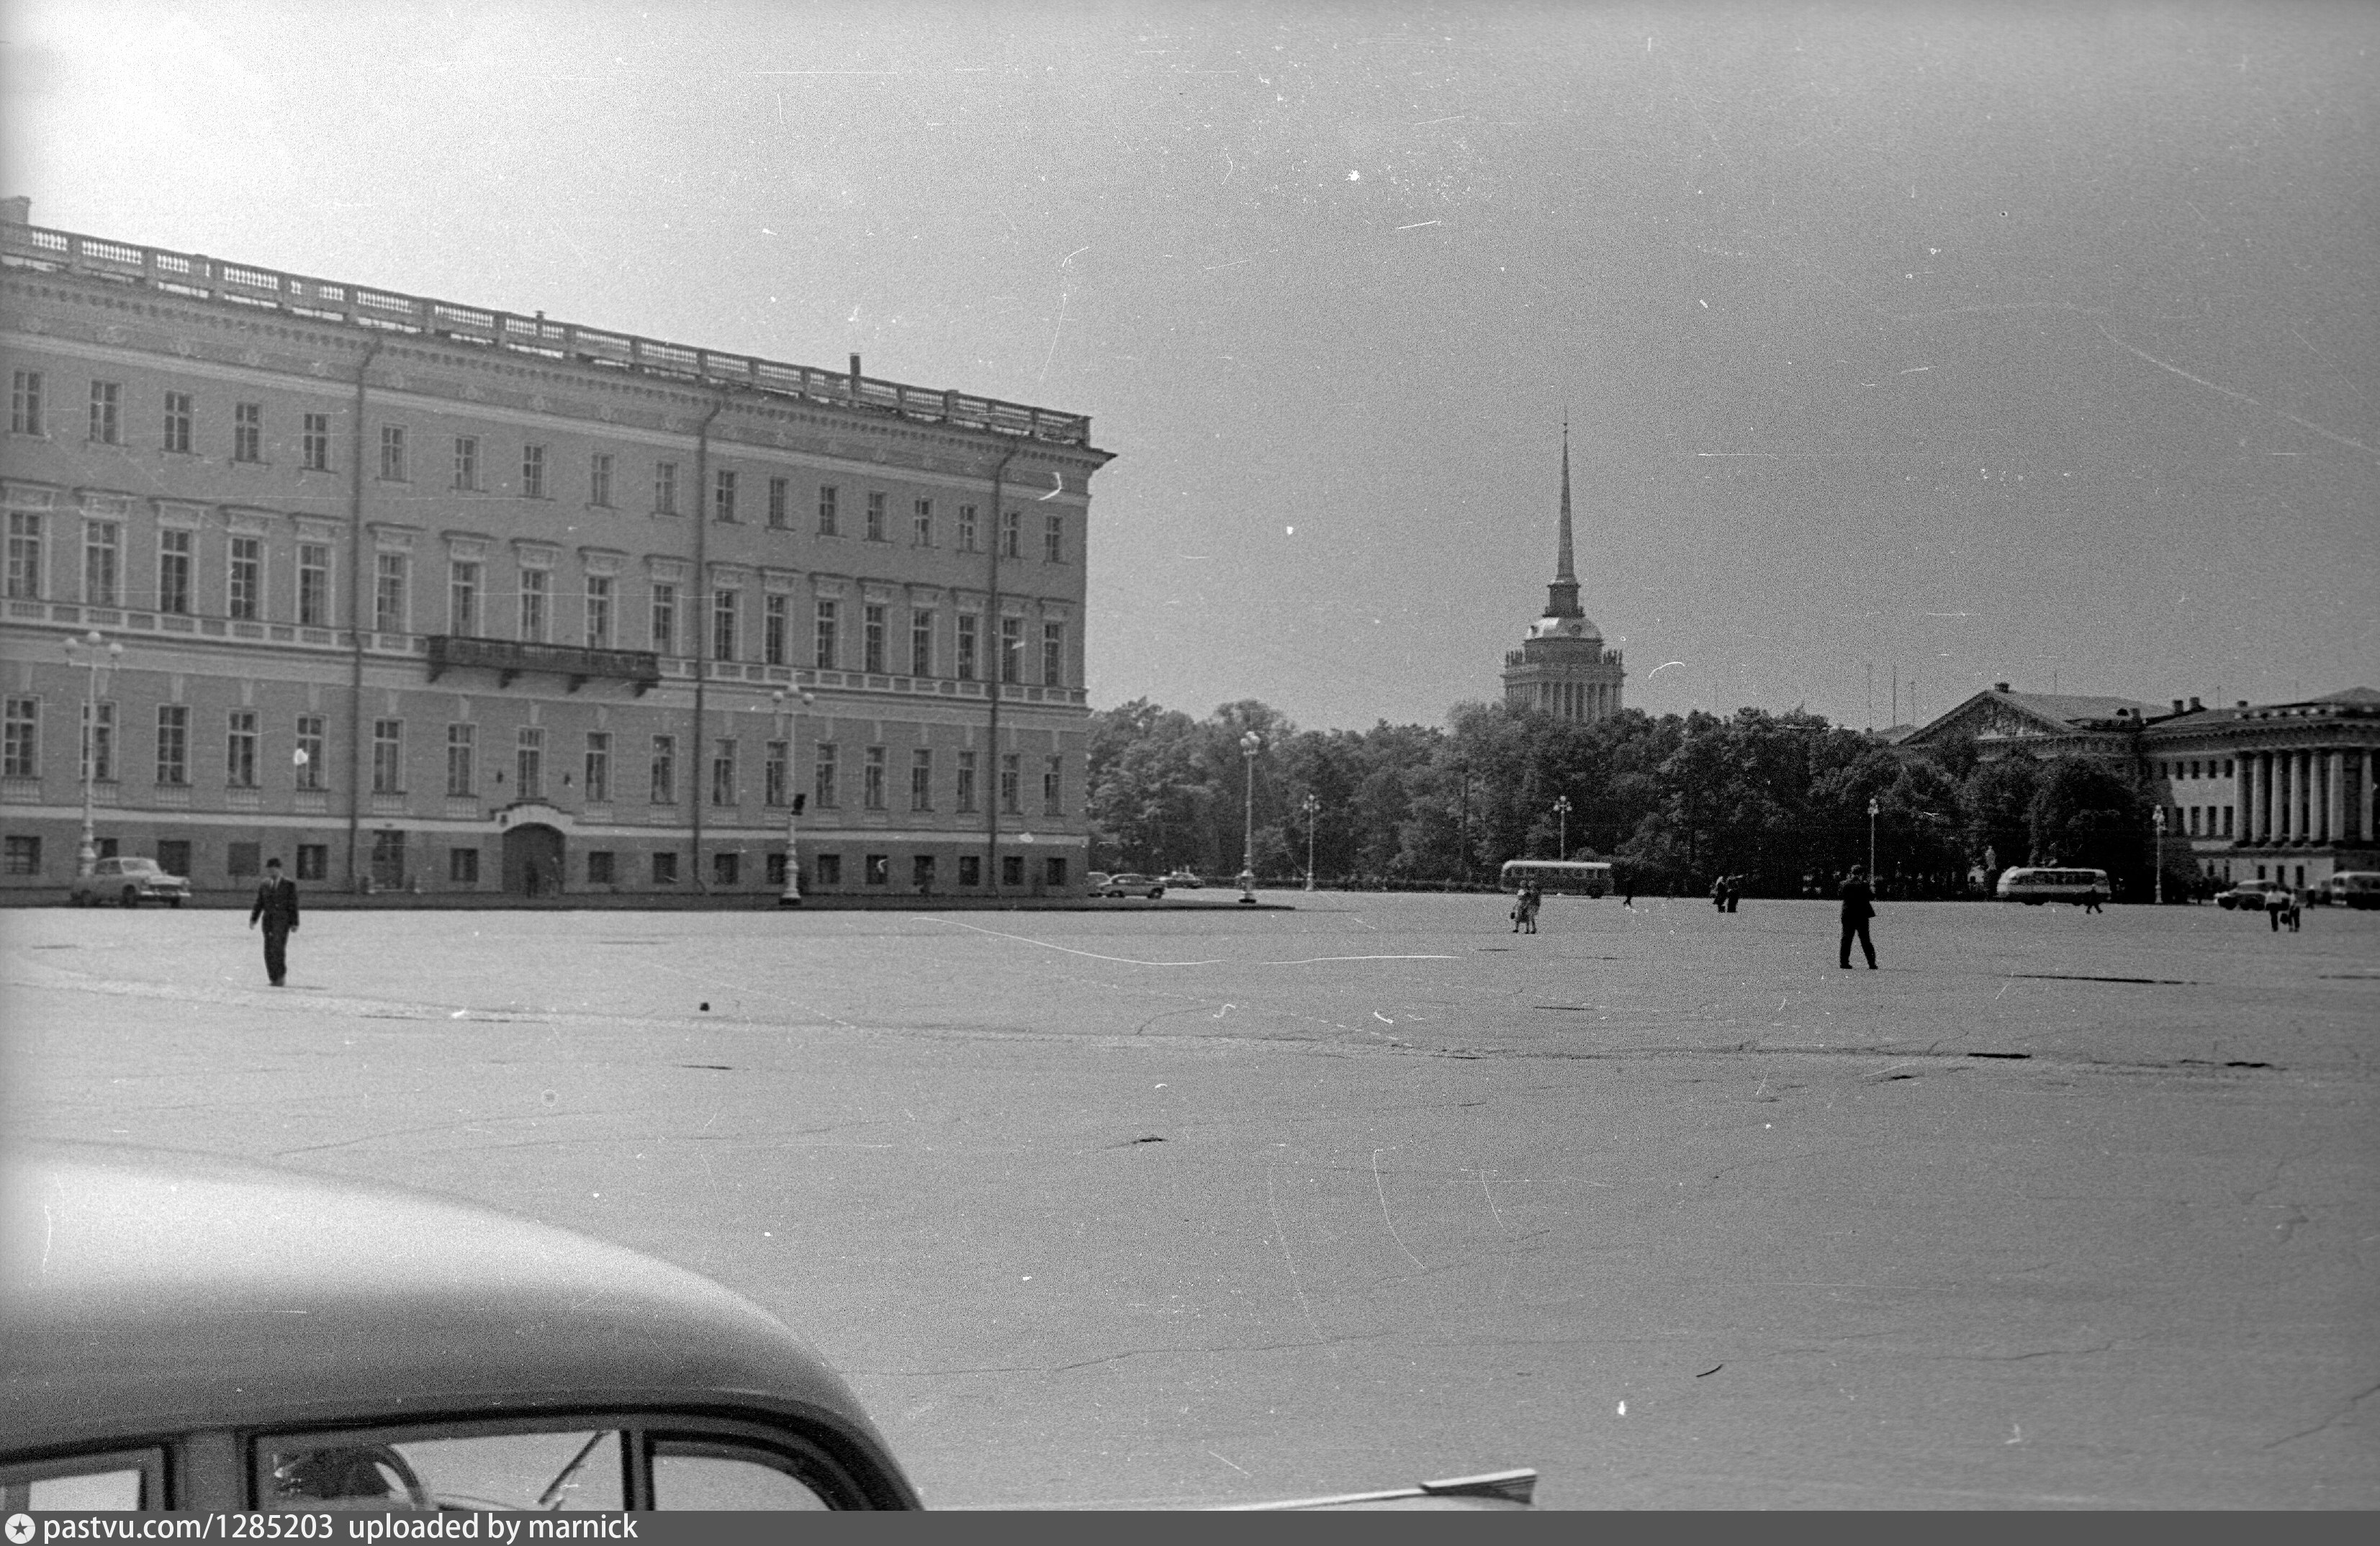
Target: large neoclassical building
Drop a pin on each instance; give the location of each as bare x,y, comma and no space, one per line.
419,595
1562,667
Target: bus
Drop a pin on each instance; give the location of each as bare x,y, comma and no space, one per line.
1575,877
2355,889
2033,887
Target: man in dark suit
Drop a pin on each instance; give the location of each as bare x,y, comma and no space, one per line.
276,905
1859,906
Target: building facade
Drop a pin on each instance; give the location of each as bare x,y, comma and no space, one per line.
1562,667
420,596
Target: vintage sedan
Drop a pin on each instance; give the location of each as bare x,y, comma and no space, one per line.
191,1333
2255,896
1133,886
127,880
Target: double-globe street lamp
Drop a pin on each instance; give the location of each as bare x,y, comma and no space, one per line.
87,855
1562,829
1872,808
789,708
1250,744
1313,812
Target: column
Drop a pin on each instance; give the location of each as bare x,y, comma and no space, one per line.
2302,767
2244,800
2333,798
2260,808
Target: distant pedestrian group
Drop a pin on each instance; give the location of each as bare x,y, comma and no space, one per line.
1525,908
2284,907
1726,892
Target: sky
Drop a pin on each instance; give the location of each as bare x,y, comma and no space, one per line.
1939,343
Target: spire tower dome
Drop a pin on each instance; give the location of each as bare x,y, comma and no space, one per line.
1562,667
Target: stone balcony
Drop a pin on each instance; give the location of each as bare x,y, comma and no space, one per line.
641,669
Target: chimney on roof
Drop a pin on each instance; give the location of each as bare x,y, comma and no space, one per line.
855,379
2177,705
17,210
2194,704
2000,687
2242,703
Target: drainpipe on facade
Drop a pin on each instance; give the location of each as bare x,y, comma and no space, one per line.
356,622
703,601
996,676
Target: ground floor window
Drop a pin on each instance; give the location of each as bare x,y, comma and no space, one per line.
313,861
1011,870
970,869
880,869
387,861
921,872
241,860
774,865
463,866
726,869
665,868
22,856
830,869
174,856
1053,872
599,868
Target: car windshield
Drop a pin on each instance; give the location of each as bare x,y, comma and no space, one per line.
136,866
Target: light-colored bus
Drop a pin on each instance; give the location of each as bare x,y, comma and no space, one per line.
1576,877
2355,889
2034,886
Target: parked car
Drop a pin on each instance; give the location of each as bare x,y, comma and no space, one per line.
2251,894
130,881
200,1334
1098,882
1182,880
1135,886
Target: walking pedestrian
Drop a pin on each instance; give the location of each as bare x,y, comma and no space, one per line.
1734,892
2090,900
2276,907
1859,906
1532,897
1719,894
276,905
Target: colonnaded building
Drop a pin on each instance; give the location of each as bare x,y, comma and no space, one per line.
1562,667
420,596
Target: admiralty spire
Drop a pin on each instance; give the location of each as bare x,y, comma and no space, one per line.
1562,667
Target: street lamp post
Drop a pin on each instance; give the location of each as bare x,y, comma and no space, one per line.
1313,813
789,707
1872,808
87,855
1562,818
2156,856
1250,744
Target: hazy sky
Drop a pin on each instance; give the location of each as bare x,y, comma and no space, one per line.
1987,341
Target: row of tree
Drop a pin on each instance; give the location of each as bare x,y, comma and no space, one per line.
1781,801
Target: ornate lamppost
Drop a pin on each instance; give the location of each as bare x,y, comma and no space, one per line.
789,708
1313,810
1561,818
1250,744
2156,856
1872,809
87,855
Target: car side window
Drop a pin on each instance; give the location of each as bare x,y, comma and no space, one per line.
698,1473
116,1480
547,1469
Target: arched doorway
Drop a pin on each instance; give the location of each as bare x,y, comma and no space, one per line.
532,860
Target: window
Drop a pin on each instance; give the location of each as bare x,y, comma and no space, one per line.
724,605
921,779
308,756
665,487
830,869
1012,650
781,495
177,421
1012,528
532,472
968,626
21,741
773,767
388,757
173,744
314,583
921,643
1011,776
825,635
723,495
246,591
392,453
2226,818
466,462
665,781
535,590
1053,539
388,594
872,780
462,743
665,867
921,522
966,528
970,869
1011,869
98,742
463,866
239,750
25,403
599,868
726,869
772,629
871,638
875,516
248,432
921,873
316,443
773,866
599,612
528,764
174,571
1053,774
313,861
880,869
1053,654
723,771
25,554
964,792
665,617
174,855
598,769
463,597
599,479
826,510
822,785
23,856
106,410
1053,871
